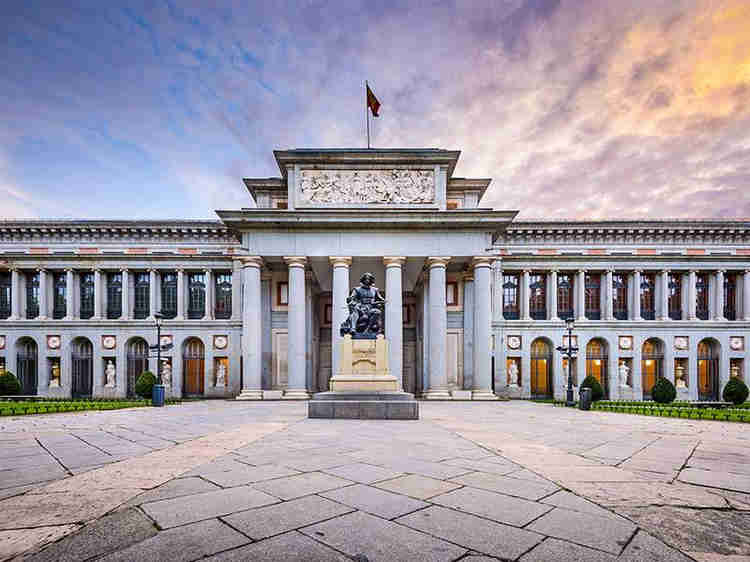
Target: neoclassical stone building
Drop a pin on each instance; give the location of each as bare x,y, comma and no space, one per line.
475,300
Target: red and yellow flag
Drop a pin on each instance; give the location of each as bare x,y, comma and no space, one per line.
372,102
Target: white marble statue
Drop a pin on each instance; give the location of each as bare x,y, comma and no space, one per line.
109,372
734,371
54,381
221,375
623,371
166,374
679,377
513,373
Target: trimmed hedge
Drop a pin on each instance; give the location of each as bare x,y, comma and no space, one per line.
664,391
145,384
21,408
9,384
597,392
671,411
735,391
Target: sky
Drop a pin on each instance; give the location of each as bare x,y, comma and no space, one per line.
586,109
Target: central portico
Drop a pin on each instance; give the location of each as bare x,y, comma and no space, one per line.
332,216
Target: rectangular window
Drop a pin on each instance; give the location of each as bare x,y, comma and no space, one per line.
197,295
59,300
451,293
32,295
114,295
730,296
87,295
593,288
675,296
5,295
701,296
538,296
511,308
648,282
169,294
142,285
565,295
223,292
620,296
282,293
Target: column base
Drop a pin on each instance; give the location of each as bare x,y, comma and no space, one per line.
296,394
436,394
483,394
250,395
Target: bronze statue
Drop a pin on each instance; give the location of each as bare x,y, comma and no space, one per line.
365,310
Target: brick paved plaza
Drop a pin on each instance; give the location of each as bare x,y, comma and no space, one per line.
470,481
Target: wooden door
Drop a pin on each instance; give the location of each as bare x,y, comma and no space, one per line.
193,368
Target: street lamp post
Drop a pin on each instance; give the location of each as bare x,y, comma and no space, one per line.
157,394
570,352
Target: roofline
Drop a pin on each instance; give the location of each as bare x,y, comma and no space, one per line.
631,222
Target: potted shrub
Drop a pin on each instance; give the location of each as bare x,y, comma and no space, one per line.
664,391
597,392
9,385
145,384
735,391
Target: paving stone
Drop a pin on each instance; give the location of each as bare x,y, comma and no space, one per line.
14,478
561,551
634,494
15,491
483,465
417,486
248,474
301,485
32,461
526,474
373,500
498,507
272,520
189,509
716,479
472,532
182,544
645,548
15,542
510,486
425,468
572,502
307,463
362,534
174,489
602,533
109,534
362,473
290,547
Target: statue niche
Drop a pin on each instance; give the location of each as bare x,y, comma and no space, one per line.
366,305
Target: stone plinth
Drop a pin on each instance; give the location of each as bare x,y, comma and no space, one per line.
363,406
363,366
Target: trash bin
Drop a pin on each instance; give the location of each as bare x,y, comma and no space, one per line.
584,399
157,395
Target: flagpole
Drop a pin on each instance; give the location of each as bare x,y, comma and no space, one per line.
367,115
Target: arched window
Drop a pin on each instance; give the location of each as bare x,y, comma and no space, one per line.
596,362
27,365
137,362
708,370
541,369
652,365
193,366
82,360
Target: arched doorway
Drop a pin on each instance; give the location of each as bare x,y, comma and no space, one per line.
652,364
82,360
193,365
26,365
541,369
137,352
597,358
708,369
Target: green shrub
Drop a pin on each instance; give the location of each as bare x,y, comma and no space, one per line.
597,392
145,384
9,384
664,391
735,391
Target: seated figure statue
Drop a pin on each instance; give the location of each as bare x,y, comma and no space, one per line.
365,310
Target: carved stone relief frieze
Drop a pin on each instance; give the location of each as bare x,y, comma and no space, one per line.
365,187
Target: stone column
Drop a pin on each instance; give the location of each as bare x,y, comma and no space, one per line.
153,287
552,315
69,294
236,290
296,327
719,290
15,294
125,311
581,290
691,295
469,339
251,330
208,309
339,309
180,294
394,316
43,305
482,387
664,306
525,294
746,299
636,308
438,325
609,309
497,290
97,294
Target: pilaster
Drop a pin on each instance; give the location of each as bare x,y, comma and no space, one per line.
691,302
746,298
208,311
636,308
552,314
580,287
98,291
43,304
609,312
664,295
153,286
180,294
719,295
15,294
125,310
69,294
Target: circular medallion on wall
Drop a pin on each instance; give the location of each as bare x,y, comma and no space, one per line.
165,340
109,342
221,342
514,342
53,342
681,343
737,343
625,343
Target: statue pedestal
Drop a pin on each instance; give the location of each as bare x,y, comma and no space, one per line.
363,387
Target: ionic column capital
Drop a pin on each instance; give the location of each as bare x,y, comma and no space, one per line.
124,270
481,261
251,261
295,261
722,271
394,261
665,271
554,270
438,261
340,261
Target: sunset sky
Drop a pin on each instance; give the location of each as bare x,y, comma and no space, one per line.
575,108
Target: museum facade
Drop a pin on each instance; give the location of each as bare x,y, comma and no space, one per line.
476,300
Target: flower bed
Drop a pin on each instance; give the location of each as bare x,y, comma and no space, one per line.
18,408
675,410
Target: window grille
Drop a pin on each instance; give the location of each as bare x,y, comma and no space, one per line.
538,296
647,296
593,286
701,296
87,295
197,298
511,308
620,296
60,303
730,296
5,295
142,295
32,295
565,293
223,292
114,296
675,296
169,294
